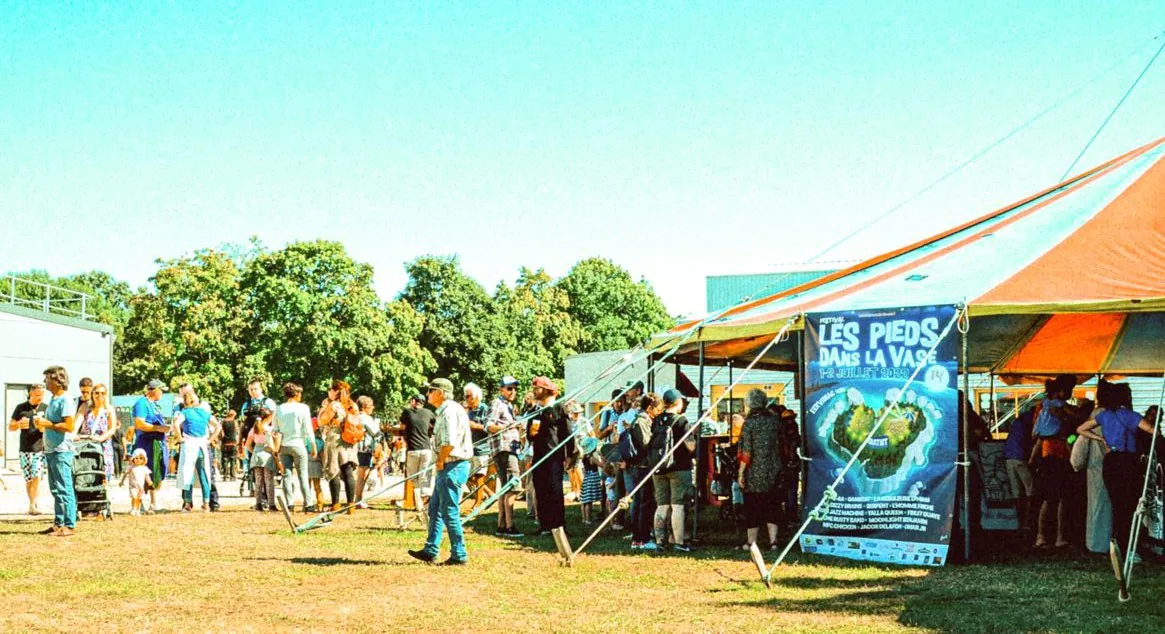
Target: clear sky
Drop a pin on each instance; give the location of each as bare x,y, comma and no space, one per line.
678,139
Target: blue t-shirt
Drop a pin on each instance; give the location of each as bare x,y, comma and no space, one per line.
196,422
1047,425
151,413
1019,439
1120,428
60,408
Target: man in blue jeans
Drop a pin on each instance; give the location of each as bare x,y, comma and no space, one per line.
453,441
57,425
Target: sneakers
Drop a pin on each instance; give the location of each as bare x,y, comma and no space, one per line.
514,532
311,509
32,510
135,512
49,531
636,545
421,555
454,562
362,506
682,548
616,527
651,547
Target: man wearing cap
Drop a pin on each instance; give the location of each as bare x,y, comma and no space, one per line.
454,445
416,425
151,433
506,440
673,480
547,430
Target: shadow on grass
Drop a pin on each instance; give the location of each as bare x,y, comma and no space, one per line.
329,561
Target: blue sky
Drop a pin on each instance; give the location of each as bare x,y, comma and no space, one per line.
680,140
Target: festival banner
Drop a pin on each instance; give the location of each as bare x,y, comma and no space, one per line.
895,504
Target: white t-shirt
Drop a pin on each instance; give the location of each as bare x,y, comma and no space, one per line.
139,475
293,423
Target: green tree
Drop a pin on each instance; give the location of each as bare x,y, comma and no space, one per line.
189,328
540,333
614,311
316,317
463,329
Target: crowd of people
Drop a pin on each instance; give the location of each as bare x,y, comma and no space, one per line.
633,469
1111,443
451,447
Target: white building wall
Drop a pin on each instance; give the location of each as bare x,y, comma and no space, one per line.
30,342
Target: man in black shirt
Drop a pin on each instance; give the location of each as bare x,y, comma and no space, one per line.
547,429
230,445
416,425
32,463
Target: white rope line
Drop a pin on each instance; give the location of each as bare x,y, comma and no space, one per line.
711,408
822,508
554,450
1015,412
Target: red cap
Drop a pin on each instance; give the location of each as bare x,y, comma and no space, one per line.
546,384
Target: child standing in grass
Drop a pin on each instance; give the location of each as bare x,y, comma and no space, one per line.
259,443
139,481
592,485
610,473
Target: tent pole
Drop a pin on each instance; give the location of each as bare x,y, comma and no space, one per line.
803,450
731,405
966,456
994,413
700,481
651,375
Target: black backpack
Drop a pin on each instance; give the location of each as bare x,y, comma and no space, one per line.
662,441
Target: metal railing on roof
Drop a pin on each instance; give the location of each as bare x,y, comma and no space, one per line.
44,297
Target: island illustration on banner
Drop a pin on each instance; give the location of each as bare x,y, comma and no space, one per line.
901,447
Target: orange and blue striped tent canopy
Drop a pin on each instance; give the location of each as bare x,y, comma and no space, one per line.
1069,280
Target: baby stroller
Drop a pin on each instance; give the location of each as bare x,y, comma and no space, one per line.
89,479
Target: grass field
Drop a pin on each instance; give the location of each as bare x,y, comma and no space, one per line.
242,571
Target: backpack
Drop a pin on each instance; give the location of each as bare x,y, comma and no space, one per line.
661,442
628,452
352,429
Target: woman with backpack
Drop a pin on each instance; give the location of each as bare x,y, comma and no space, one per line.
342,431
633,447
367,446
673,481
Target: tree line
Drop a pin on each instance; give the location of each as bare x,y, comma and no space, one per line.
308,312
